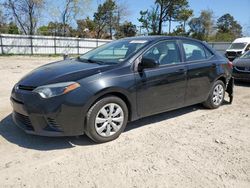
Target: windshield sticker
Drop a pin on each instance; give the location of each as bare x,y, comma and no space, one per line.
138,41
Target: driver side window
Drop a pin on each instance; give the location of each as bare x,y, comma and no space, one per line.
166,52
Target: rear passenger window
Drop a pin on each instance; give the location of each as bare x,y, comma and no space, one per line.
208,53
194,51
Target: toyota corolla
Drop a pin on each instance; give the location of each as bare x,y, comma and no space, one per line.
99,92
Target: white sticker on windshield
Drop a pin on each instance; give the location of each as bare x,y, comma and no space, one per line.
138,41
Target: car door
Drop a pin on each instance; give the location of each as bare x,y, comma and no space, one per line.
161,88
201,71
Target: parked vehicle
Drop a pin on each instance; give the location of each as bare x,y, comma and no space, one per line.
238,47
241,69
99,92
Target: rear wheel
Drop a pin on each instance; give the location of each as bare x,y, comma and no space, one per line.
106,119
216,96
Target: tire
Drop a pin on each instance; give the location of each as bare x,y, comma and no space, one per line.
216,95
102,125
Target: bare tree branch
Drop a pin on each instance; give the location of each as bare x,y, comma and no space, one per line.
26,13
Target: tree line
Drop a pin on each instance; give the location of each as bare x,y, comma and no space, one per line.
109,20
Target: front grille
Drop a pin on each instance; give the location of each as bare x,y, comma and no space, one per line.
17,101
25,120
27,88
231,53
53,124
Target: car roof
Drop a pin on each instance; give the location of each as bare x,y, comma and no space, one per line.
160,37
244,39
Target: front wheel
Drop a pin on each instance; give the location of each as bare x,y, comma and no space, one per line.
216,96
106,119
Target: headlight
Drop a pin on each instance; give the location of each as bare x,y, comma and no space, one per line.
52,90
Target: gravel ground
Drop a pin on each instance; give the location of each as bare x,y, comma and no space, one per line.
190,147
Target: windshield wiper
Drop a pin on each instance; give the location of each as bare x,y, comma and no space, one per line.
96,61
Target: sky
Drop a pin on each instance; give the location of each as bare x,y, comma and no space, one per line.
239,9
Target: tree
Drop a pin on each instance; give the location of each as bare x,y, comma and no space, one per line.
183,16
12,28
228,28
197,29
225,37
3,25
56,29
202,26
86,28
122,11
169,11
69,11
208,22
149,20
26,13
163,9
179,31
2,17
105,18
43,30
175,9
127,29
224,23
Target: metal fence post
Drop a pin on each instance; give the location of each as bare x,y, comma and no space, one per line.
55,45
31,45
1,41
78,46
97,42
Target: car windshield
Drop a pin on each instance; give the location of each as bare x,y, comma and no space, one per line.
237,46
246,55
114,52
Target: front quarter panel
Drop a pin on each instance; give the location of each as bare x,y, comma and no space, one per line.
119,81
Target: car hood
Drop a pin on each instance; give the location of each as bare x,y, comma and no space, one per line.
242,62
62,71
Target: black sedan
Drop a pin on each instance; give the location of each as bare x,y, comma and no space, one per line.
241,69
99,92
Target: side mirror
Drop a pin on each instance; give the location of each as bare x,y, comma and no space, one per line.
147,63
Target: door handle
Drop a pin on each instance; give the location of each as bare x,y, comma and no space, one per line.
181,70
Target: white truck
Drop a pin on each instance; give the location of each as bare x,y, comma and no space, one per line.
238,47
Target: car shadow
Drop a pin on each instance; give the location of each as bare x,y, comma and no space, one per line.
241,83
162,117
13,134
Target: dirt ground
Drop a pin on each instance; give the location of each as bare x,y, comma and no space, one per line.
190,147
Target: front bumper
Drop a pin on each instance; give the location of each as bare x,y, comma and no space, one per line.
239,74
58,116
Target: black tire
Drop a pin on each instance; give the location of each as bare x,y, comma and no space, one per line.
90,129
209,103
